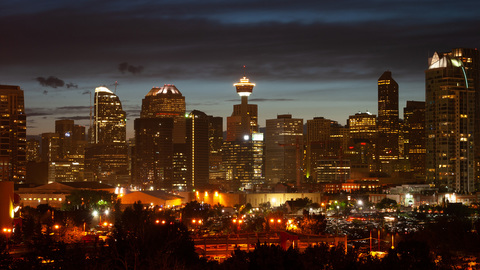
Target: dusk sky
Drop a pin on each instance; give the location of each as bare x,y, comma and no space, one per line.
308,58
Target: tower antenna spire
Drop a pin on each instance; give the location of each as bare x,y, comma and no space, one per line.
244,71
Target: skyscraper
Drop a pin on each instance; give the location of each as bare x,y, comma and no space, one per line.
414,137
283,149
388,125
109,118
197,149
106,155
324,140
64,151
166,102
158,167
153,152
449,121
361,146
471,62
64,129
215,138
13,134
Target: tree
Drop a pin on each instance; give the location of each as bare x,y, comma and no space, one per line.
386,203
313,224
195,210
89,200
140,243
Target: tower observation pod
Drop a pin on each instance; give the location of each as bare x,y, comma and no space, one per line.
244,87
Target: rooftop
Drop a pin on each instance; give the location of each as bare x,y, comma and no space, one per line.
167,89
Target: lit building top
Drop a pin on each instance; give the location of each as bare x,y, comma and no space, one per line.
165,90
437,62
244,87
103,89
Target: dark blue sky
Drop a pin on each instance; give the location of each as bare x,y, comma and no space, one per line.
308,58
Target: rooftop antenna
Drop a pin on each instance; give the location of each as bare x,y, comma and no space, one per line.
244,71
116,83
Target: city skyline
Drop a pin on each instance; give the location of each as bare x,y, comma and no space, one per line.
310,59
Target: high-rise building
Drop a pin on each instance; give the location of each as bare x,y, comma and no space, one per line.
363,126
387,124
325,139
106,155
449,123
215,138
50,149
414,137
283,149
180,167
109,124
64,151
361,146
242,152
166,102
153,152
333,170
13,134
243,162
33,150
470,58
197,141
64,129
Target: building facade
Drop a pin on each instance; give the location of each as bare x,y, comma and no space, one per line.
198,148
387,124
449,120
13,134
153,153
166,102
325,138
283,149
106,155
414,137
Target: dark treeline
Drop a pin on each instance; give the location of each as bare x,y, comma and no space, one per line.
138,242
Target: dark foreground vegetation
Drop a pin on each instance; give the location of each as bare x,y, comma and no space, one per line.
138,242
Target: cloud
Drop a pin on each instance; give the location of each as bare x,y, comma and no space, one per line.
64,110
54,82
132,113
270,99
264,100
34,112
71,85
125,67
192,45
51,81
77,117
73,108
